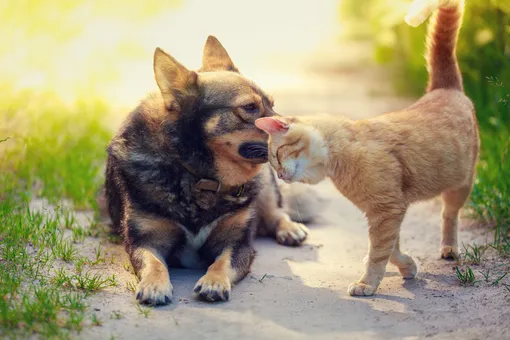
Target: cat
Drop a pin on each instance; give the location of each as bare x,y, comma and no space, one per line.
384,164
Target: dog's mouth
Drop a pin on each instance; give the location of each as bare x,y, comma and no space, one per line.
255,152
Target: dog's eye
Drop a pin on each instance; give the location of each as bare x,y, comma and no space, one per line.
251,108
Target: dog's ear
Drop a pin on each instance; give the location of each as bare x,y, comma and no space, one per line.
216,58
175,81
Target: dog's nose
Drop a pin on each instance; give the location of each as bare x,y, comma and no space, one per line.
280,175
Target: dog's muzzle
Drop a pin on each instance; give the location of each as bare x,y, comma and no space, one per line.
256,152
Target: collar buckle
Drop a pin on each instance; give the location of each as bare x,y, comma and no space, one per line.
208,185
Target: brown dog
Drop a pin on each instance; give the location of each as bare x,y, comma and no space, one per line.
186,182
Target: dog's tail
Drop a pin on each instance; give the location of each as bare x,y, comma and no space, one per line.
443,31
301,202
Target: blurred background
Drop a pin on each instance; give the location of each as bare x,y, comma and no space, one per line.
72,69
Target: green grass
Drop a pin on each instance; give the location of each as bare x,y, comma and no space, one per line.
96,321
491,259
466,276
116,314
54,151
473,254
142,310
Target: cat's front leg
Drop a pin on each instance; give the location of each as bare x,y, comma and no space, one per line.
383,233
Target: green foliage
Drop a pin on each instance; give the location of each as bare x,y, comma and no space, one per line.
483,52
56,151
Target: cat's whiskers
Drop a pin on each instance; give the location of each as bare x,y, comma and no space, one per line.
306,176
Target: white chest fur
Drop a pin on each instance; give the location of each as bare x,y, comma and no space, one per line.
188,256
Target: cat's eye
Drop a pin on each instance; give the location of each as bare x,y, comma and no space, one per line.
251,108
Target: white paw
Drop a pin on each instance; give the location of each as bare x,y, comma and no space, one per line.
291,233
410,270
361,289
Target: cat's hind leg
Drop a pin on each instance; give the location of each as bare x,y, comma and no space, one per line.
383,232
453,201
404,262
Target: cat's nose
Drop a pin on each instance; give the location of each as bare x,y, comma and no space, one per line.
280,175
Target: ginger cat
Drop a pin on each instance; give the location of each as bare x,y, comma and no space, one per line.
384,164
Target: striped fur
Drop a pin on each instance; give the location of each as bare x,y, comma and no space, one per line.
386,163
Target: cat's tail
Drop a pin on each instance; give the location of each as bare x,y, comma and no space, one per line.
443,31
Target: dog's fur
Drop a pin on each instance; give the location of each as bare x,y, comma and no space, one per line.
384,164
199,126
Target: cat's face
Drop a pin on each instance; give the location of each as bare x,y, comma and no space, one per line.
296,151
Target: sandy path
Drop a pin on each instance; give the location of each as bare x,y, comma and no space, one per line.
296,293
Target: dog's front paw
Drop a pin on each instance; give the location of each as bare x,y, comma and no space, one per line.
361,289
213,286
291,233
449,252
154,290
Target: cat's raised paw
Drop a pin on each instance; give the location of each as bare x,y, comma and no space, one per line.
361,289
291,233
449,253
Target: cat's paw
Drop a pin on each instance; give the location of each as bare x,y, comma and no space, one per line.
291,233
409,270
154,290
361,289
449,252
213,286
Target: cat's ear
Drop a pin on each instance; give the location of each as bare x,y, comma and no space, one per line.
271,125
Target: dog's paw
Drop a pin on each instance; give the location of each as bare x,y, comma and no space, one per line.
213,286
361,289
449,253
291,233
154,291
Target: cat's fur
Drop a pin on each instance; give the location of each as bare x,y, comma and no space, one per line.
384,164
199,126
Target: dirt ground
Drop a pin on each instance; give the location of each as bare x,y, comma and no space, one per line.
300,293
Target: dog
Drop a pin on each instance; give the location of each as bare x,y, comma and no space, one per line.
187,182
